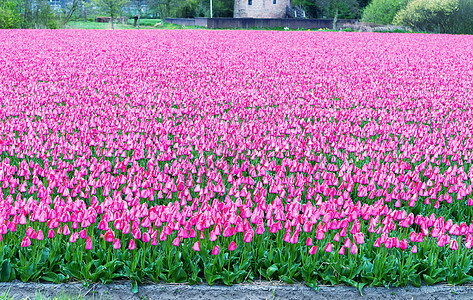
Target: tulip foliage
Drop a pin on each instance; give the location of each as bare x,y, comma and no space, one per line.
231,156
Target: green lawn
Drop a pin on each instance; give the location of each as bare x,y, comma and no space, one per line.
145,24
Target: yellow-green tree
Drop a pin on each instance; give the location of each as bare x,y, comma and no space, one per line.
382,11
9,16
428,15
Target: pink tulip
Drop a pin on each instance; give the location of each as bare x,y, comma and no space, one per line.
353,249
177,241
454,245
347,243
216,250
152,155
328,248
88,243
313,250
66,230
116,244
196,246
308,242
109,236
359,238
132,245
413,236
232,246
83,234
336,238
25,242
73,238
248,236
146,237
40,235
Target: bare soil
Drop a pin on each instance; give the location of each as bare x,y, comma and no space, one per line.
254,291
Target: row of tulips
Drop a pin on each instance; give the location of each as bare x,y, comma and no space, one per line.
235,156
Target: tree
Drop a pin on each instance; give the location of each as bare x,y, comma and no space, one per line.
463,21
112,8
343,9
27,14
444,16
223,8
9,16
201,8
69,9
163,8
43,15
382,11
313,8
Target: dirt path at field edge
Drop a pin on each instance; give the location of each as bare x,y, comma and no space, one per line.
260,290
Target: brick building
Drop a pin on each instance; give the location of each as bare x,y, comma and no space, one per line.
261,8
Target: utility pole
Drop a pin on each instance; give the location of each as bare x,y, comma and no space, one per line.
211,13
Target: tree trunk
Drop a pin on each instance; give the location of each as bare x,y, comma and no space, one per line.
26,17
84,11
139,13
335,18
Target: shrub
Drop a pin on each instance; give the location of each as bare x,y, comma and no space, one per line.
444,16
462,19
382,11
9,18
427,15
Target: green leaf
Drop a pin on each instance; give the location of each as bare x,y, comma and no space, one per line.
6,271
361,285
367,278
227,278
355,271
368,267
271,270
415,279
348,281
307,272
193,281
429,280
73,270
313,284
22,257
30,270
12,274
98,272
330,278
286,279
134,287
179,275
52,277
466,278
437,273
212,278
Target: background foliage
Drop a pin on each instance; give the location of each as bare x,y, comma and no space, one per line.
443,16
382,11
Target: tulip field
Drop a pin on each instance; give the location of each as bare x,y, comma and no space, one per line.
226,157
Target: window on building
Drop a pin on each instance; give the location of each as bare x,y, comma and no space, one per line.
250,2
